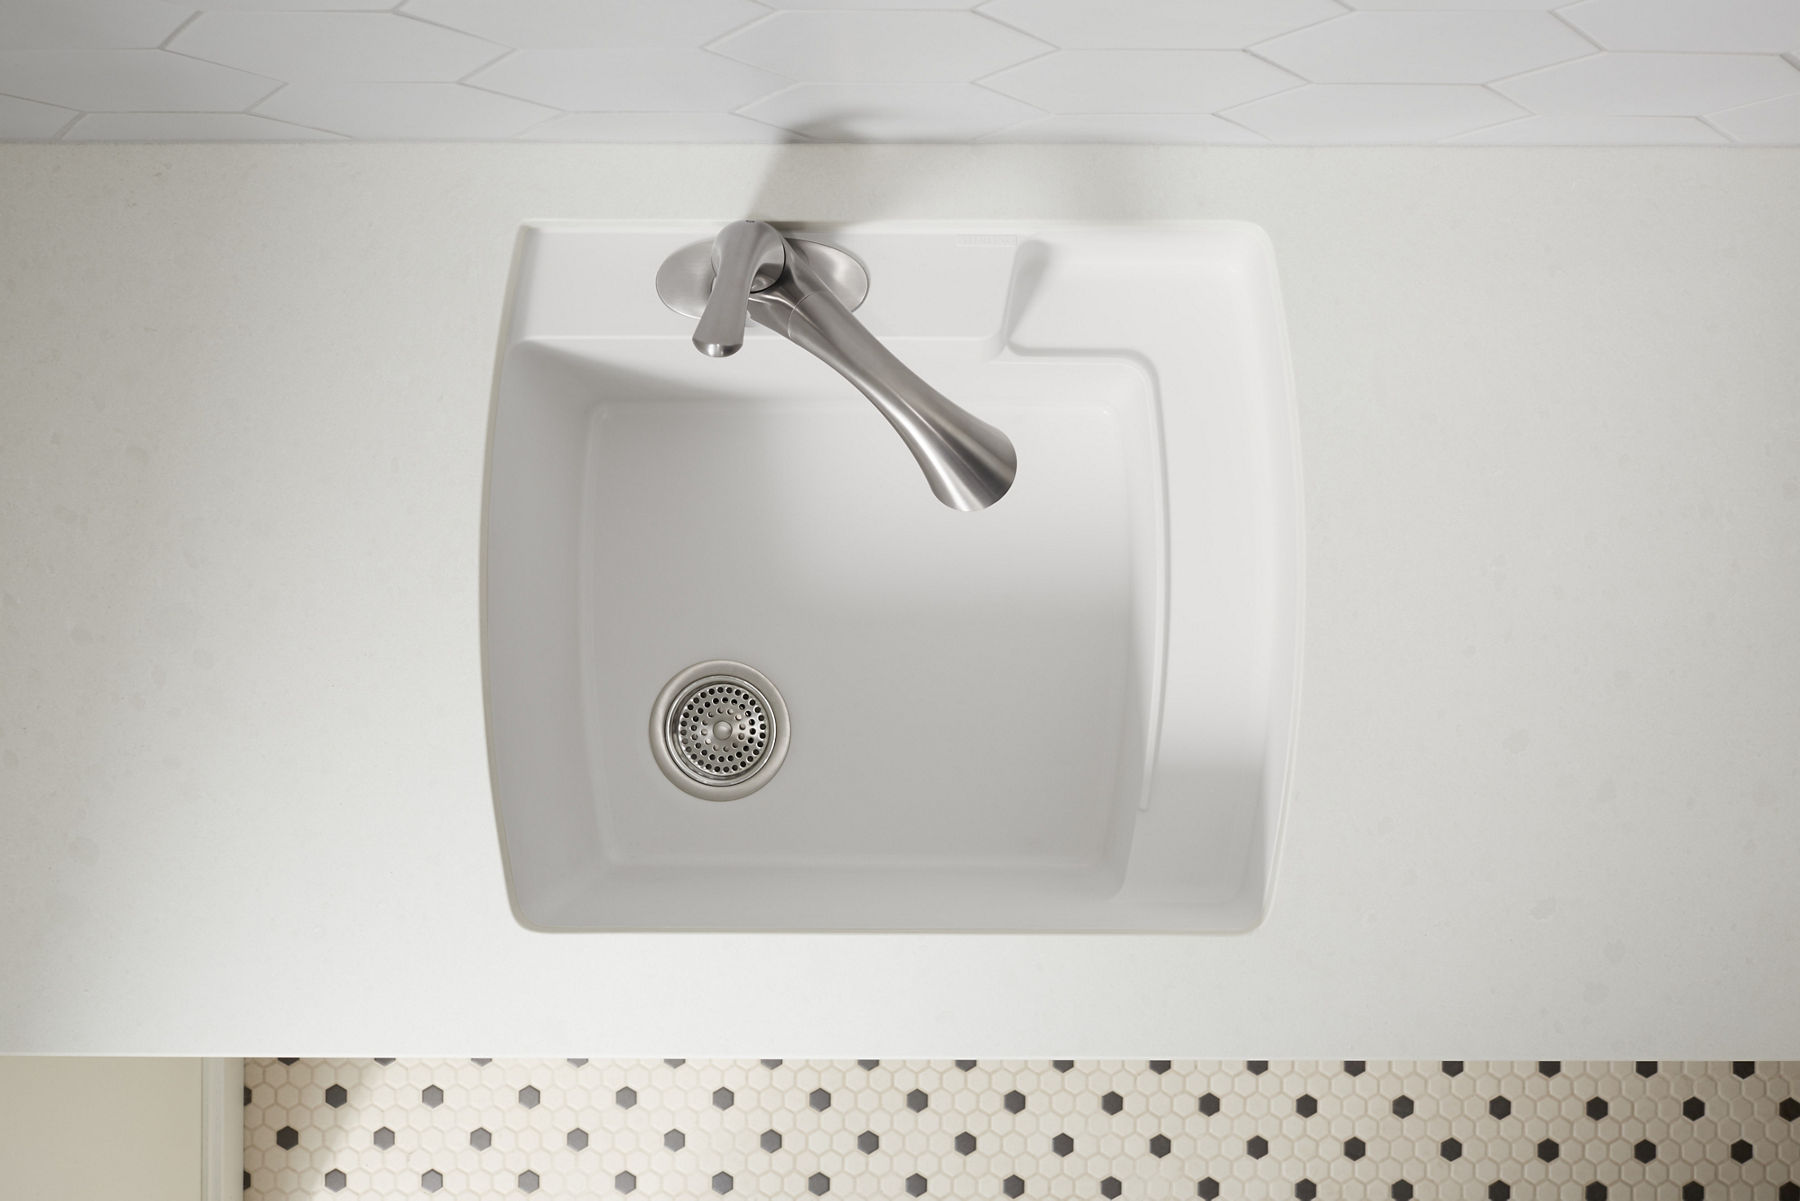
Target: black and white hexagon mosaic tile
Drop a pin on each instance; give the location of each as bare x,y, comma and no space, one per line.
578,1128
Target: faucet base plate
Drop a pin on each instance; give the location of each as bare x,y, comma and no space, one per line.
685,280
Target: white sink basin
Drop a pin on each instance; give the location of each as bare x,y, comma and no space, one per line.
1070,711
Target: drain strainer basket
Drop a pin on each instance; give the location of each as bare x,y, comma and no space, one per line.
719,730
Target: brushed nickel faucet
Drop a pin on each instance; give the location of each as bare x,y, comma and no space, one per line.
804,291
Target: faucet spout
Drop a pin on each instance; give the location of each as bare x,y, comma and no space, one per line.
968,463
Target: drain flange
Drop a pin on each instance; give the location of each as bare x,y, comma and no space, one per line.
719,730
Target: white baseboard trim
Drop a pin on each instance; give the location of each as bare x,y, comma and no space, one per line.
221,1129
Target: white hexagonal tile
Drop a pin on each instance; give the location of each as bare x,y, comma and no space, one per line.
1742,26
879,47
1650,85
88,24
1454,5
403,112
334,45
1142,81
1131,130
29,121
192,127
128,81
1596,131
294,5
647,80
1426,47
611,24
894,112
1771,123
1158,24
1373,113
873,3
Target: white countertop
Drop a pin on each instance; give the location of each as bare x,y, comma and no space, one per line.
1548,790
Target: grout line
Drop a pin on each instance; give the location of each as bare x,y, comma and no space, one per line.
403,14
1295,87
803,139
1523,110
153,112
1567,62
47,104
1524,114
1221,115
980,81
1583,34
176,32
252,109
781,91
464,80
1024,33
987,87
555,115
738,62
1706,120
279,83
506,52
488,91
336,133
1263,58
1344,10
62,134
768,14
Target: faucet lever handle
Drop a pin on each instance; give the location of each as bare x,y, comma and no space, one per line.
747,256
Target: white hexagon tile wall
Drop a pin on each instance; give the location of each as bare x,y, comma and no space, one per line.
796,1129
1293,72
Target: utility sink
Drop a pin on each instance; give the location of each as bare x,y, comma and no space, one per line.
1072,711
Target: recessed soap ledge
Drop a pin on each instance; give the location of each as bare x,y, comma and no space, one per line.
1071,711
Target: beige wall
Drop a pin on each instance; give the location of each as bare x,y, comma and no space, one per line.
105,1129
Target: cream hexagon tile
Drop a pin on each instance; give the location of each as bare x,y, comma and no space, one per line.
1741,26
889,112
1768,123
1141,81
1158,24
649,80
89,24
30,121
336,45
869,47
608,24
1426,47
1450,1142
1653,84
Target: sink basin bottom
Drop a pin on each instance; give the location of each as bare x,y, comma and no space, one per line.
970,694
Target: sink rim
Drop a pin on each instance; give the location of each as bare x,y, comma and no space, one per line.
1283,715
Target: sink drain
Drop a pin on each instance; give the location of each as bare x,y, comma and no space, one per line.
719,730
